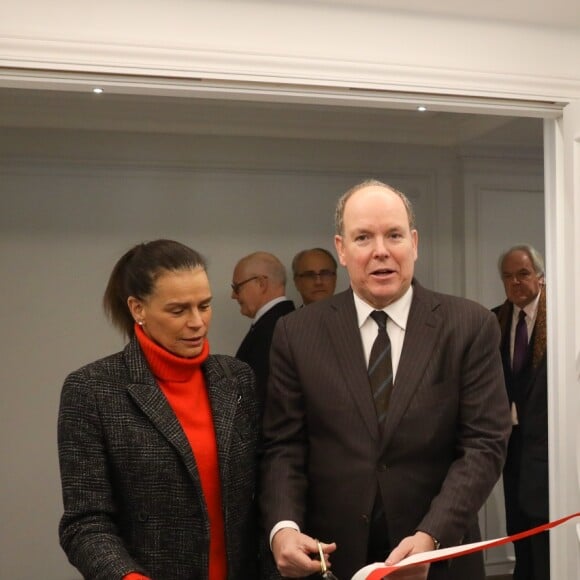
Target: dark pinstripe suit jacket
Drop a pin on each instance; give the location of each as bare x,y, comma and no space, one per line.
131,489
443,446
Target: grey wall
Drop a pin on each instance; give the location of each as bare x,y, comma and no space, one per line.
71,204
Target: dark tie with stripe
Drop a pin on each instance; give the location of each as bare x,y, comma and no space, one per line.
381,367
520,344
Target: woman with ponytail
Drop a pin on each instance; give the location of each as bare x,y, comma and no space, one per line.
158,443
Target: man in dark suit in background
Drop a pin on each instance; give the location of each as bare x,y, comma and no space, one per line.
525,475
377,476
259,285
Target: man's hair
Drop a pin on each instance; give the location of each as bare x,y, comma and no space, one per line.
265,264
533,254
302,253
339,212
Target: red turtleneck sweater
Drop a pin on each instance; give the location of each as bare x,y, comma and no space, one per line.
183,384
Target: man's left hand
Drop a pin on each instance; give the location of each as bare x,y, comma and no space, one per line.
415,544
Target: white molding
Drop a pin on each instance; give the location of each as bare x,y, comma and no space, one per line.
490,164
421,182
67,64
501,157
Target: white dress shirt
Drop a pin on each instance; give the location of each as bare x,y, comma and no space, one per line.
261,311
398,313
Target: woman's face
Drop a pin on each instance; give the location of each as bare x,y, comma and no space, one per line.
177,313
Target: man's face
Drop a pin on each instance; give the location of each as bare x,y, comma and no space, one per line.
315,277
520,279
378,247
247,291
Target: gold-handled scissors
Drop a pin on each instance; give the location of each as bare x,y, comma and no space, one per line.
324,571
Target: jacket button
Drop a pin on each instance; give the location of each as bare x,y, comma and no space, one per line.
142,516
365,518
382,467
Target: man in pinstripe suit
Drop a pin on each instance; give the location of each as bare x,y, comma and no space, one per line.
372,492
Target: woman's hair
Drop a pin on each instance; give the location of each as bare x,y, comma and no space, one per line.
136,272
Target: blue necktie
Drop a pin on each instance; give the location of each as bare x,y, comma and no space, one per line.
520,344
381,367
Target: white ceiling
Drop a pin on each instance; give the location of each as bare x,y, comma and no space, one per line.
556,13
34,109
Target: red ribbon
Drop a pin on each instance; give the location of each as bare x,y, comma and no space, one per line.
385,571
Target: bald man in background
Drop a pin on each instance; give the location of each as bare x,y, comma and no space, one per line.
259,287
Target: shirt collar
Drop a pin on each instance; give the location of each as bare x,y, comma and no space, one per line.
397,311
266,307
530,309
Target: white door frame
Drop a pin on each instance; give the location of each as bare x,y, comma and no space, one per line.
562,207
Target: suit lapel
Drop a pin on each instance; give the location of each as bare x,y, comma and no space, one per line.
421,336
504,317
223,397
148,397
344,335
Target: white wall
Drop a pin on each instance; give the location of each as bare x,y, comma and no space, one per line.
65,220
66,216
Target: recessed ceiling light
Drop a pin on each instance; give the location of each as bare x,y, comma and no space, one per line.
98,90
421,108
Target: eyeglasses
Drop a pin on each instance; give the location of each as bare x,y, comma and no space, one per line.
312,274
236,286
520,276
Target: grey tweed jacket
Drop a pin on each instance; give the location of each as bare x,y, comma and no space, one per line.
131,488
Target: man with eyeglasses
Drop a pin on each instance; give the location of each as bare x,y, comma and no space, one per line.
386,418
314,274
259,287
522,319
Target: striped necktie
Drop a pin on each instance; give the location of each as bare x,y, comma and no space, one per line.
381,367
